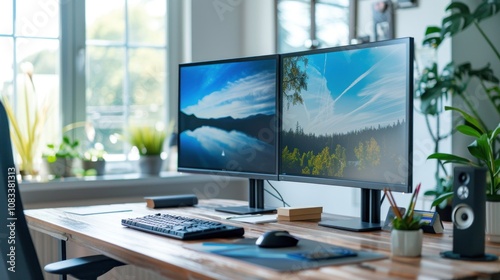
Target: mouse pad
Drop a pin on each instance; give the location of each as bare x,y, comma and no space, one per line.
307,254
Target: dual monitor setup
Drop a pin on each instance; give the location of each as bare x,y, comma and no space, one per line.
337,116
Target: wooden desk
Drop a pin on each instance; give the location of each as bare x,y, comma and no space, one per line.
168,257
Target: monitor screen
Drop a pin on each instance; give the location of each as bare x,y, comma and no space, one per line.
347,115
228,117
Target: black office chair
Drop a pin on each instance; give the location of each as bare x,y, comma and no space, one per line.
19,258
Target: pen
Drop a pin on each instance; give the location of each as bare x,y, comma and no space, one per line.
241,216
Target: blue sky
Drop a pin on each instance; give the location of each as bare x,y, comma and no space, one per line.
351,90
236,89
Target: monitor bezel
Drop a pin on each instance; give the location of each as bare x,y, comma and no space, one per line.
221,172
407,187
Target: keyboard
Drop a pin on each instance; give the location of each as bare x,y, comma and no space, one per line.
183,228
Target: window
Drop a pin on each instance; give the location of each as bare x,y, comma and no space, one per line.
104,62
310,24
29,34
126,58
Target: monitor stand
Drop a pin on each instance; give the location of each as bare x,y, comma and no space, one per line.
370,215
255,201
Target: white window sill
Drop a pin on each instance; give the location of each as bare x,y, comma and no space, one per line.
127,188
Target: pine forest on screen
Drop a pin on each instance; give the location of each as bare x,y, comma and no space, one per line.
344,114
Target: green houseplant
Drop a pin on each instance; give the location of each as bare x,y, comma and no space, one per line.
92,158
484,149
26,128
454,80
60,157
93,162
149,140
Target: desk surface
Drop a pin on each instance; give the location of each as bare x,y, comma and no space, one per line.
168,257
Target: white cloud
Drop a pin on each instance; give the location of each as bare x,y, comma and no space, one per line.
248,96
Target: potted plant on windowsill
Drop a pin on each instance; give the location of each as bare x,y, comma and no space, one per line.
149,140
26,128
93,162
60,158
92,159
406,233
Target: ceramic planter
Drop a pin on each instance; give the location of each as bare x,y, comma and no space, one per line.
62,167
406,243
150,165
99,166
493,221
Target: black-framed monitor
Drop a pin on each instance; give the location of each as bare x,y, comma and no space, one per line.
347,121
228,122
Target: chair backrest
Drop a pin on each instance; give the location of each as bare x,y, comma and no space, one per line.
18,255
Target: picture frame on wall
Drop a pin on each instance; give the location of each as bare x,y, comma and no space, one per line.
406,4
383,20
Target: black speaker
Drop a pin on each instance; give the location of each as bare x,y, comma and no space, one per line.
469,214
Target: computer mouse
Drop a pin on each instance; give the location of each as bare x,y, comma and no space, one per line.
276,239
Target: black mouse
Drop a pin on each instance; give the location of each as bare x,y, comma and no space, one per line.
276,239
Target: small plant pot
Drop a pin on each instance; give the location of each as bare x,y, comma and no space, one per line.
150,165
99,166
62,167
406,243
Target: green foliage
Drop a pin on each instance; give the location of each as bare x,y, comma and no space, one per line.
434,87
406,223
294,79
460,19
482,148
148,139
66,149
94,154
443,193
324,163
335,155
368,154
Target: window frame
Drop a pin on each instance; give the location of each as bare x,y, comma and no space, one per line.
312,23
72,59
73,46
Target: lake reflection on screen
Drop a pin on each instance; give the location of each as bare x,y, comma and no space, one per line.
214,148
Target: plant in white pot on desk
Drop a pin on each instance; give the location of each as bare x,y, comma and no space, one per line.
406,233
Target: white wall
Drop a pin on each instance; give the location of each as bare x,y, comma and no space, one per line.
470,46
231,28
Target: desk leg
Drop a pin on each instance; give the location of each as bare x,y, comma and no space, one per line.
62,255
